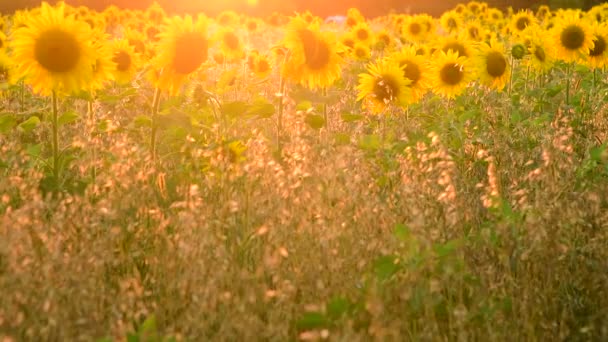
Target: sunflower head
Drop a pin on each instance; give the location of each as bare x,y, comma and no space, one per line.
492,65
573,37
383,85
414,69
598,55
451,73
54,50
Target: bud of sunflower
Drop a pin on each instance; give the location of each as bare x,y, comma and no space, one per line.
518,51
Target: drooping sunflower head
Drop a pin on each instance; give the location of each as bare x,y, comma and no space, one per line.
573,37
313,59
383,85
450,73
54,51
182,50
492,65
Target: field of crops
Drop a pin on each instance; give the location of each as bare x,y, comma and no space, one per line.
401,178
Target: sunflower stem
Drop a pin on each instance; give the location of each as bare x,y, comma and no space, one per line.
155,106
55,133
568,75
527,78
511,76
325,107
280,116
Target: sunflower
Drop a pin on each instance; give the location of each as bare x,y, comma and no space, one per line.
598,55
138,41
382,85
182,50
521,21
474,31
573,37
2,41
451,22
105,67
461,46
414,29
348,40
314,59
492,65
362,33
450,73
494,16
155,13
230,44
414,69
6,67
253,25
361,52
227,18
353,17
125,60
384,40
54,51
541,53
261,66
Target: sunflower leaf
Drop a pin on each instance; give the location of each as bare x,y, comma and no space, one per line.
7,122
68,118
29,124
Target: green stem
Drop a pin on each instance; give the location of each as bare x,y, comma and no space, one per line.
22,96
568,75
325,107
280,116
155,106
55,129
527,78
511,76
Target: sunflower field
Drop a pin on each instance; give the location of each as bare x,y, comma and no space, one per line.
402,178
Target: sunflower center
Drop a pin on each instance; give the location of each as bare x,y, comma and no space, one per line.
452,25
190,52
539,53
349,43
263,66
451,74
360,52
455,47
384,39
496,64
137,45
152,33
231,41
362,34
57,50
415,28
599,47
386,88
522,23
122,60
316,52
411,71
572,37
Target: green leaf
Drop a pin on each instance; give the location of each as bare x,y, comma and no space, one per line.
314,121
67,118
34,150
337,307
262,109
347,117
342,138
234,109
142,121
596,153
304,106
29,124
370,142
402,232
445,249
7,122
385,267
312,320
